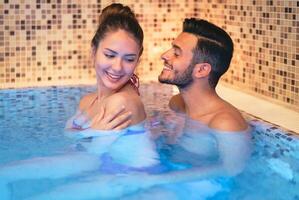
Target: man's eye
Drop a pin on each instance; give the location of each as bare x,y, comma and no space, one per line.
176,54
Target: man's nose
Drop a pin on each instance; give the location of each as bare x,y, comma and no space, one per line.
165,55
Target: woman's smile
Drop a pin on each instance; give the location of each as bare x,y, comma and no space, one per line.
113,77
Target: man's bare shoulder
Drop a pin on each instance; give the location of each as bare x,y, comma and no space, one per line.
86,100
229,119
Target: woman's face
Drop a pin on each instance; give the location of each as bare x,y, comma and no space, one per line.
116,59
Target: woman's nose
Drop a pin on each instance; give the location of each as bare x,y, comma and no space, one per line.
117,64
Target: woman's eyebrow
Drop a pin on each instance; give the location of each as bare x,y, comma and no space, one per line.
112,51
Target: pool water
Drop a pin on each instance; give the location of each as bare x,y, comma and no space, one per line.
32,128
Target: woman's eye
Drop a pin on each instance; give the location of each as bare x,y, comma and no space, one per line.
109,56
130,59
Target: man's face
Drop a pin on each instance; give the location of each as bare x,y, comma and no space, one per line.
178,66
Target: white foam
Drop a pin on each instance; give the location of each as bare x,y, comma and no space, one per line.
280,167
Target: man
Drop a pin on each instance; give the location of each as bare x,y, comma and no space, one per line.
199,56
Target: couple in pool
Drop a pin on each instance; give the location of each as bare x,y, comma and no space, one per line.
197,59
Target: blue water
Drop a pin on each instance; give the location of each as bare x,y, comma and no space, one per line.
32,129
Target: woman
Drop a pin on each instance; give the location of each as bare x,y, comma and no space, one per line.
116,50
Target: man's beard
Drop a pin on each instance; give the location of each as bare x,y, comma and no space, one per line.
182,80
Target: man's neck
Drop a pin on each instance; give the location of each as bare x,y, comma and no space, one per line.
199,100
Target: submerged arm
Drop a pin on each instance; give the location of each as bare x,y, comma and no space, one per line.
234,151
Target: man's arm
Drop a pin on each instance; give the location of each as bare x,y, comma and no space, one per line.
234,152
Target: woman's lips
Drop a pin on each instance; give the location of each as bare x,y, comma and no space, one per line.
112,76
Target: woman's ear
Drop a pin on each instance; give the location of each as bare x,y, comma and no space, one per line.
202,70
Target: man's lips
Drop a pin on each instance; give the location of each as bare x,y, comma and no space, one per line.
167,67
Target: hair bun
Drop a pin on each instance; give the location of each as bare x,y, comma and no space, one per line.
114,17
116,9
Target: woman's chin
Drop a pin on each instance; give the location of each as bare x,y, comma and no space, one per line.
114,85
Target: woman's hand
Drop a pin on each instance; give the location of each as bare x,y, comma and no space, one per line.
117,120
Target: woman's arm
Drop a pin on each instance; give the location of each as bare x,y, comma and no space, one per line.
117,119
99,119
80,118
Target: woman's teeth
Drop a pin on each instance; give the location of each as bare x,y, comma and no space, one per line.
113,76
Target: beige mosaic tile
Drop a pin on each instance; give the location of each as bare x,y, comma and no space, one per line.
47,42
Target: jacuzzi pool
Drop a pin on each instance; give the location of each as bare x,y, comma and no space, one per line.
32,126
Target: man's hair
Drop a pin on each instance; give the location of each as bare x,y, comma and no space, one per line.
214,46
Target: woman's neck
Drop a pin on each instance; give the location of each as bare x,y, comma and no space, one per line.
104,92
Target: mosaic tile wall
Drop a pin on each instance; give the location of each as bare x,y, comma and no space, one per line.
266,38
47,42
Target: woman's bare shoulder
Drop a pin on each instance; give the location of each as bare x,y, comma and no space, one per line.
131,101
126,99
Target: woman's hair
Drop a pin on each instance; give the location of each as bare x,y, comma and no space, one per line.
114,17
